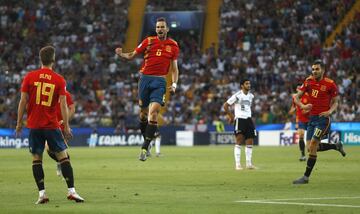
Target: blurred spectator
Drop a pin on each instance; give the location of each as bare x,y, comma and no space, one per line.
270,42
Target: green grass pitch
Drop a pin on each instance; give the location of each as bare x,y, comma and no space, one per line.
199,179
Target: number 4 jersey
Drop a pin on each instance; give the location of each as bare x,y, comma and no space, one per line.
242,104
44,87
320,93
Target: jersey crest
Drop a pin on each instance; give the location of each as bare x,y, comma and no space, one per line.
168,48
323,88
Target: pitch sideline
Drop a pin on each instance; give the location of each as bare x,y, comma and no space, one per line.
284,201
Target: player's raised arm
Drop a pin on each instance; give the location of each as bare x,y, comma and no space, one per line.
128,56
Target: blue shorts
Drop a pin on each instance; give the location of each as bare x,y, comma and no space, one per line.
53,137
151,89
301,125
318,127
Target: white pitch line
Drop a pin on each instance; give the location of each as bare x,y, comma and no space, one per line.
294,199
303,204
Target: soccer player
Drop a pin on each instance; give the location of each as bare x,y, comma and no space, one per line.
323,101
71,110
160,57
41,90
302,118
244,126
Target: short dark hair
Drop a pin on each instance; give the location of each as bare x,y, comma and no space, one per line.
47,55
319,62
243,81
161,19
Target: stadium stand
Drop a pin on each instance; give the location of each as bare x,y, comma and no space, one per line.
271,44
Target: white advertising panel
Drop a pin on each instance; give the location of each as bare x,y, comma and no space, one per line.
184,138
278,138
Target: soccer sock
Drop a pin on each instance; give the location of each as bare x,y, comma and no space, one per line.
150,131
326,146
310,165
41,193
72,190
302,146
38,174
143,125
157,145
237,154
52,155
67,172
150,146
248,155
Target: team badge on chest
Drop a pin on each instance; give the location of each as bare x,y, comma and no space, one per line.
168,48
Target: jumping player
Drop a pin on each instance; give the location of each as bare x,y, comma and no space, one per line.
160,57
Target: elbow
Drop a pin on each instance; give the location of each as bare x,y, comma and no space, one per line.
225,106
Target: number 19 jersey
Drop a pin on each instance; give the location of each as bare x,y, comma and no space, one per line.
44,87
242,104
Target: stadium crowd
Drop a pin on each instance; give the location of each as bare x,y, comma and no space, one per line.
271,44
274,46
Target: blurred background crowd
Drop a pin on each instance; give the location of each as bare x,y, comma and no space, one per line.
270,42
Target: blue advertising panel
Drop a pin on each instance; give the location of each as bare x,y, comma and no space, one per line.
351,137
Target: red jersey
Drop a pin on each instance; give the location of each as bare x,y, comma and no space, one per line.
320,93
69,102
300,115
44,86
157,55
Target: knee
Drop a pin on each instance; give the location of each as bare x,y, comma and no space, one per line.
312,149
153,115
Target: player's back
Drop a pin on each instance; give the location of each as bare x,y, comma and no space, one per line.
44,87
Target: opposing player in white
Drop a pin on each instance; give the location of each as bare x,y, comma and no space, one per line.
244,128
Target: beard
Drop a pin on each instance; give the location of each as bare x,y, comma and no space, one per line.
161,35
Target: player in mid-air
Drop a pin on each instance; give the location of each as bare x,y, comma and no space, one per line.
302,118
323,101
71,110
244,126
41,90
160,57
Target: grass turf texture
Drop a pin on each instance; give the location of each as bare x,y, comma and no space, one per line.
185,180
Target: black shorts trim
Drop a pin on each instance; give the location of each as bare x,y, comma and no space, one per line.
245,127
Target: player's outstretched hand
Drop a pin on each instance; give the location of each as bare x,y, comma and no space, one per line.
172,88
